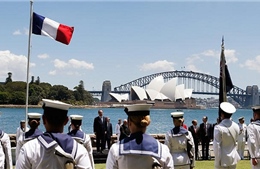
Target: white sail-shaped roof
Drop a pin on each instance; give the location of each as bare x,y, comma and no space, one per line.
156,84
179,92
155,95
119,97
169,89
188,93
140,92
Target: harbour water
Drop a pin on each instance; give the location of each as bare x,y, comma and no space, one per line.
161,119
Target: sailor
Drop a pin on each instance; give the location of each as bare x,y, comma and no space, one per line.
5,151
21,129
241,139
34,132
139,150
81,137
181,144
53,149
225,137
253,140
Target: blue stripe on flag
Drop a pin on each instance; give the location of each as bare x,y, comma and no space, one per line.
37,23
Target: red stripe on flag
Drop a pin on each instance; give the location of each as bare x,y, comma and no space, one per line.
64,34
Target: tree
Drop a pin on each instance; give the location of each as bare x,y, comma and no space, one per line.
36,93
60,92
9,78
32,80
38,80
4,97
18,97
16,86
82,95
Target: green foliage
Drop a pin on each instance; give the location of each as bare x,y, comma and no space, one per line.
4,97
82,95
15,93
16,86
18,97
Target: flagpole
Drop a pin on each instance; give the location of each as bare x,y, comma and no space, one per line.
222,87
28,63
224,73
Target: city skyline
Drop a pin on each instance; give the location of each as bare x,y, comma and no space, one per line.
124,41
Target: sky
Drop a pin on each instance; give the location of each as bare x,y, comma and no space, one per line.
122,41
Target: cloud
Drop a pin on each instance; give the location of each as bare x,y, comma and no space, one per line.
80,64
211,53
70,67
16,64
43,56
230,56
60,64
252,64
161,65
17,32
54,72
26,31
196,60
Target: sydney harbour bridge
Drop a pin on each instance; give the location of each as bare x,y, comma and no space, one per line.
202,84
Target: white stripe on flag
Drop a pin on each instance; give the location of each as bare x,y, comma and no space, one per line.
49,28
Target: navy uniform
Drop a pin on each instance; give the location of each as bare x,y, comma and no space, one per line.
29,135
225,136
5,151
176,139
53,149
81,137
253,140
241,139
139,150
21,129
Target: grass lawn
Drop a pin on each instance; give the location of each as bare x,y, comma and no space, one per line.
243,164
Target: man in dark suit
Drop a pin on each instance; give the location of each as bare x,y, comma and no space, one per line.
109,133
194,131
206,134
100,129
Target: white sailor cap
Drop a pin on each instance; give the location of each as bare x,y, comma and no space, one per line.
34,115
56,104
76,117
138,109
177,115
256,108
241,118
227,107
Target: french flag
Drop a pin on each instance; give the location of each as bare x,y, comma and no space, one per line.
47,27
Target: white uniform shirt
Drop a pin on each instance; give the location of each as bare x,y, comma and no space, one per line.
242,132
22,140
137,161
86,141
253,141
19,133
33,155
224,144
177,144
117,129
5,152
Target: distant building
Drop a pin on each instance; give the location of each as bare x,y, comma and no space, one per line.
253,98
156,90
106,89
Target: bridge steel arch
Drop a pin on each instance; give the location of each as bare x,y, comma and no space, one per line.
238,94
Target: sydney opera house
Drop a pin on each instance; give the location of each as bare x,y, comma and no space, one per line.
162,94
